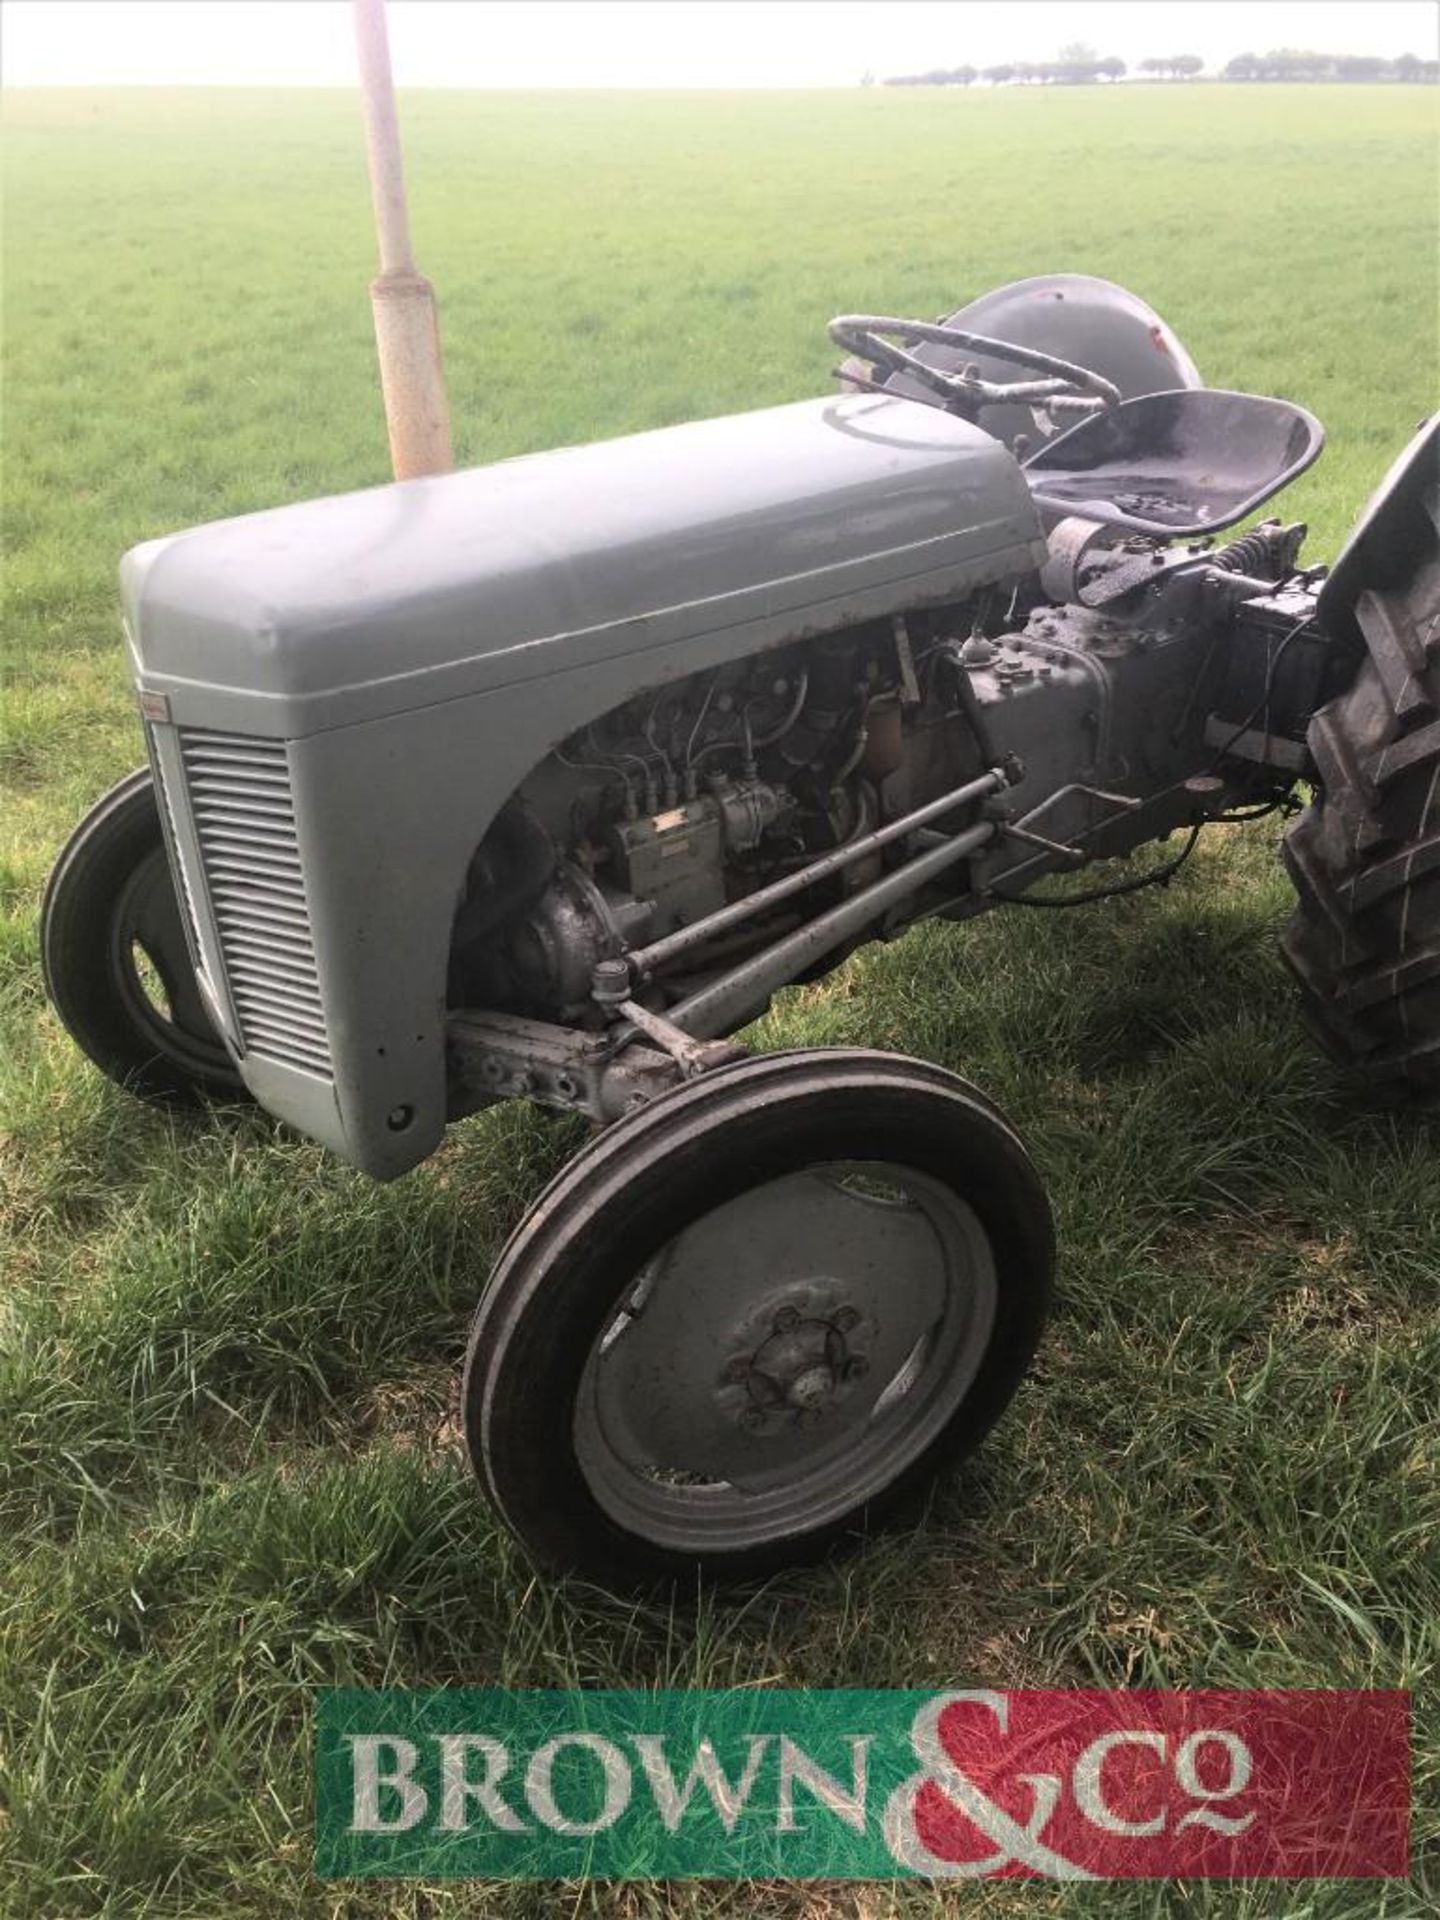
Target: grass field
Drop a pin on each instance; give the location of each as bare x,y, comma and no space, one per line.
227,1471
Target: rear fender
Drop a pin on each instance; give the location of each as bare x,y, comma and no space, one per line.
1381,550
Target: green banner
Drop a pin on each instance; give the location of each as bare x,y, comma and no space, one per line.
489,1783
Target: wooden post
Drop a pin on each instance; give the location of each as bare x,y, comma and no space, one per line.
407,333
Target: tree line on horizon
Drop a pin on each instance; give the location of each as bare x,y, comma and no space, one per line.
1080,66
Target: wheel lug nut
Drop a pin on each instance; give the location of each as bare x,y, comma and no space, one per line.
785,1319
845,1319
808,1417
856,1367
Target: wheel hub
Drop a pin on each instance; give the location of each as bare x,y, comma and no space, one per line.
798,1372
811,1321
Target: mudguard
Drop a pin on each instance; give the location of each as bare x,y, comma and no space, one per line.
1394,527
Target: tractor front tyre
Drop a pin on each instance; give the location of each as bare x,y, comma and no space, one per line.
1364,939
116,962
756,1317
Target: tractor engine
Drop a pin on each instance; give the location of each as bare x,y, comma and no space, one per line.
1102,702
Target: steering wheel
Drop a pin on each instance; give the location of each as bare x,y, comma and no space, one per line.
1064,386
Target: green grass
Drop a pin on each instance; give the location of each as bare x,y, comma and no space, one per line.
228,1469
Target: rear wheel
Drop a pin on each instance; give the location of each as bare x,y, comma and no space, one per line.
755,1317
116,963
1364,940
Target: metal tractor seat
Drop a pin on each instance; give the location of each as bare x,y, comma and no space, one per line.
1175,464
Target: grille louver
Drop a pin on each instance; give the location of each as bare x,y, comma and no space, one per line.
239,791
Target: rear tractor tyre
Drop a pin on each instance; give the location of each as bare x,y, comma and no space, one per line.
756,1317
1364,939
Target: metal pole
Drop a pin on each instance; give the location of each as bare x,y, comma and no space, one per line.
407,333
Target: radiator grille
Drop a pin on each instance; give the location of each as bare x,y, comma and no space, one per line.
187,899
240,801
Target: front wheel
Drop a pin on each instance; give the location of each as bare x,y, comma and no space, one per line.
755,1317
116,963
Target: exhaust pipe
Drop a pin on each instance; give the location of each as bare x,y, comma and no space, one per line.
407,331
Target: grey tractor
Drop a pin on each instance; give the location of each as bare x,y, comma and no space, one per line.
539,780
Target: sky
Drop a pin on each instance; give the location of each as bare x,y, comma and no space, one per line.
657,43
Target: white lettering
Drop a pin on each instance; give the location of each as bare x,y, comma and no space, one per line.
367,1779
1089,1790
1012,1840
540,1791
798,1769
456,1788
1187,1772
671,1800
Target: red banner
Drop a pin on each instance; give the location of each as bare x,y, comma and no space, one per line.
1142,1785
